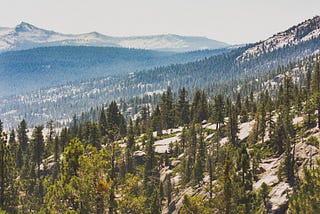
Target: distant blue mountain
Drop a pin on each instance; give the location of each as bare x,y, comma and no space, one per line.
26,36
27,70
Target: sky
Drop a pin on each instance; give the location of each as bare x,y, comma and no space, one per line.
231,21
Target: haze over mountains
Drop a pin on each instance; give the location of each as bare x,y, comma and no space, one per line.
32,69
26,36
143,72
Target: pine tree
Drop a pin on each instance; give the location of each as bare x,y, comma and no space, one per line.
227,185
94,137
103,123
238,104
198,170
210,165
279,136
316,89
168,189
37,145
150,165
8,174
87,189
183,138
56,158
264,194
50,137
155,203
130,148
144,118
233,127
192,143
219,111
183,111
157,122
64,138
22,135
167,109
70,162
115,122
199,107
74,129
262,118
243,163
305,197
204,109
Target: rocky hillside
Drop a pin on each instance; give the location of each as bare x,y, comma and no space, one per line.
305,31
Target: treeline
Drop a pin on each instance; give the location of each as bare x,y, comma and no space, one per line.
216,73
77,63
94,167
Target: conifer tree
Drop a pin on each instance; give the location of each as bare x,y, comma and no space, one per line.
227,185
63,138
183,138
198,170
262,118
168,189
233,126
199,107
305,197
243,163
219,111
192,143
238,104
316,89
37,145
167,109
72,154
157,122
115,122
94,137
279,136
50,137
8,174
74,129
130,148
22,135
155,202
183,111
103,123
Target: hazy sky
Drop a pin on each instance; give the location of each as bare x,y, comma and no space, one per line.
232,21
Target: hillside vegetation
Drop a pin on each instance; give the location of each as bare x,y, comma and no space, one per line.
256,153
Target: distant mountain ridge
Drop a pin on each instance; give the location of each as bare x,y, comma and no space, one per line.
210,69
32,69
305,31
27,36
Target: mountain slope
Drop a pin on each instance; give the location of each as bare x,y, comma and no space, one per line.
210,73
305,31
27,70
26,36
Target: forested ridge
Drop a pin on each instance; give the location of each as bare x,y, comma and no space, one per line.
230,131
216,73
61,65
252,150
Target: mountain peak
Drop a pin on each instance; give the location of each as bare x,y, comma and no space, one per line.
26,36
24,26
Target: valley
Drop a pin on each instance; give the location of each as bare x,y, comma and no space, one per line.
90,124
